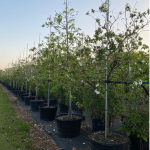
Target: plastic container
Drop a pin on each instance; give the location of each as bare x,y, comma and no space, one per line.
68,128
47,113
27,99
53,103
98,125
137,145
63,108
34,105
22,96
102,146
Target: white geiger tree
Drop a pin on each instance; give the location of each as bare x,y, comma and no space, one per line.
69,37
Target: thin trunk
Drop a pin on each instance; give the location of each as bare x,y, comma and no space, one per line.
26,86
22,87
106,107
48,99
127,46
69,112
36,97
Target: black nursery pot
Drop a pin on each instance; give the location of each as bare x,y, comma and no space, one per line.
98,124
14,89
53,103
103,146
23,95
19,94
34,105
63,108
137,145
47,113
68,128
27,99
15,92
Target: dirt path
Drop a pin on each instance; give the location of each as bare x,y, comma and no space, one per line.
40,138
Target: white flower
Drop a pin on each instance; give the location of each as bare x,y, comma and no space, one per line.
97,85
135,63
60,64
67,75
97,92
143,61
81,80
140,82
93,61
135,83
132,87
80,64
140,69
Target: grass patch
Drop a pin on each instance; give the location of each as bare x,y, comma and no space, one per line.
13,132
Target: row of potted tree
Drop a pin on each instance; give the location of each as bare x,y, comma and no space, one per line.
72,68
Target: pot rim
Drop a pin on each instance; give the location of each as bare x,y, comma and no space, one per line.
111,143
68,120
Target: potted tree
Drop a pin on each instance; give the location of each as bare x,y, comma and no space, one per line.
68,125
48,111
34,104
113,46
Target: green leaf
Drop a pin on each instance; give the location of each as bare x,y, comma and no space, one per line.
144,137
87,13
128,133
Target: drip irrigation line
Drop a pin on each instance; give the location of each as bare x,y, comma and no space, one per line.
145,89
116,82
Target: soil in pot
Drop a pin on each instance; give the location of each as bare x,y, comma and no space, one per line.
68,128
27,99
47,113
63,108
138,144
116,141
34,105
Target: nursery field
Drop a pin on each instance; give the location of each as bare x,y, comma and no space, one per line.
72,77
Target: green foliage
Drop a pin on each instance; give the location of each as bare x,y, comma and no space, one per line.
136,122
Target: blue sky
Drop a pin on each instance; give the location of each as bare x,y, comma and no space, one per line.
21,20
